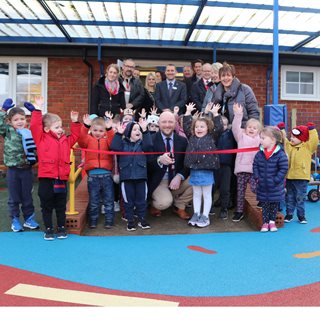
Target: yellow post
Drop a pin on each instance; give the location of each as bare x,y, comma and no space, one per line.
72,184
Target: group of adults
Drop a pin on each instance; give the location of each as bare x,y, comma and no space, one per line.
202,83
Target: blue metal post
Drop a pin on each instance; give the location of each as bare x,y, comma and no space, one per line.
275,68
214,54
101,66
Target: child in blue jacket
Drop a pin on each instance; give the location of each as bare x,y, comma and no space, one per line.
270,167
133,170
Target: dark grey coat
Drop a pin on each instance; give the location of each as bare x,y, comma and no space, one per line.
206,143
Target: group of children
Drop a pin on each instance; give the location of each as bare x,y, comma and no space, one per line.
280,169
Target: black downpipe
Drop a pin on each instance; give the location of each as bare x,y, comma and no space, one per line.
268,75
90,77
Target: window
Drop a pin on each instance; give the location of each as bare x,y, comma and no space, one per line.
22,79
300,83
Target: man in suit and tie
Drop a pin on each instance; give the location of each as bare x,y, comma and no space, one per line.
170,92
199,88
168,179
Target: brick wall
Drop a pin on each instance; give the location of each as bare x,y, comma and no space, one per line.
68,89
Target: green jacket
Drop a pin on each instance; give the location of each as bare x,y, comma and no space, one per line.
13,154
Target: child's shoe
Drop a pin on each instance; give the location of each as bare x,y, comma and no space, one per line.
303,220
108,225
49,234
195,217
31,223
224,214
144,224
203,221
62,234
288,218
272,226
265,227
131,226
93,224
16,225
238,216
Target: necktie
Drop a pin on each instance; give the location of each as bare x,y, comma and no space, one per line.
170,166
170,89
206,84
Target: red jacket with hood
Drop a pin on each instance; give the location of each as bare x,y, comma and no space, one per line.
53,153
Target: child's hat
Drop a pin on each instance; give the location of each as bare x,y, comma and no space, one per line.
93,116
153,119
301,132
128,129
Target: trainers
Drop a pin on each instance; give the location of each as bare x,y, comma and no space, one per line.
62,234
265,227
48,235
16,225
124,218
116,206
194,219
224,214
288,218
212,213
237,216
272,226
108,225
31,223
303,220
203,221
131,227
93,224
259,205
144,225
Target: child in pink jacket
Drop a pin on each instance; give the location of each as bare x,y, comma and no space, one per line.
246,138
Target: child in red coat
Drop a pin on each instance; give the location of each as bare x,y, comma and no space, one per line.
98,166
53,148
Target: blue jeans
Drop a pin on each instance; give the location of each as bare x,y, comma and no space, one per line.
296,193
101,186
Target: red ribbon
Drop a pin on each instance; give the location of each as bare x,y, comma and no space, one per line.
161,152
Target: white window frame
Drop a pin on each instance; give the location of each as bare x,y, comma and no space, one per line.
300,97
13,61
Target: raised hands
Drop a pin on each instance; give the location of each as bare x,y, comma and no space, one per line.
108,116
154,111
8,104
86,120
213,108
120,128
237,108
74,116
143,124
189,108
143,114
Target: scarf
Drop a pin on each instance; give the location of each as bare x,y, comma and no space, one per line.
112,87
28,145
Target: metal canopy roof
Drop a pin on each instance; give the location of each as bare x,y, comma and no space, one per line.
239,24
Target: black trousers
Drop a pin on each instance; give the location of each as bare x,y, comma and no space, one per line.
50,201
223,182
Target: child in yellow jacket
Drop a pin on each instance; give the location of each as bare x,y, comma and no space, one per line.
300,148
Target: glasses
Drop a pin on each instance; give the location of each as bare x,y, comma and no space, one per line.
129,67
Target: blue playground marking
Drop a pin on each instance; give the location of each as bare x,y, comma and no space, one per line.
246,263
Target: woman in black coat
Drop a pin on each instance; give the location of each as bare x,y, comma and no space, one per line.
108,93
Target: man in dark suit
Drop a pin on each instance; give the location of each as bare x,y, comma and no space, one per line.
168,182
199,88
170,92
